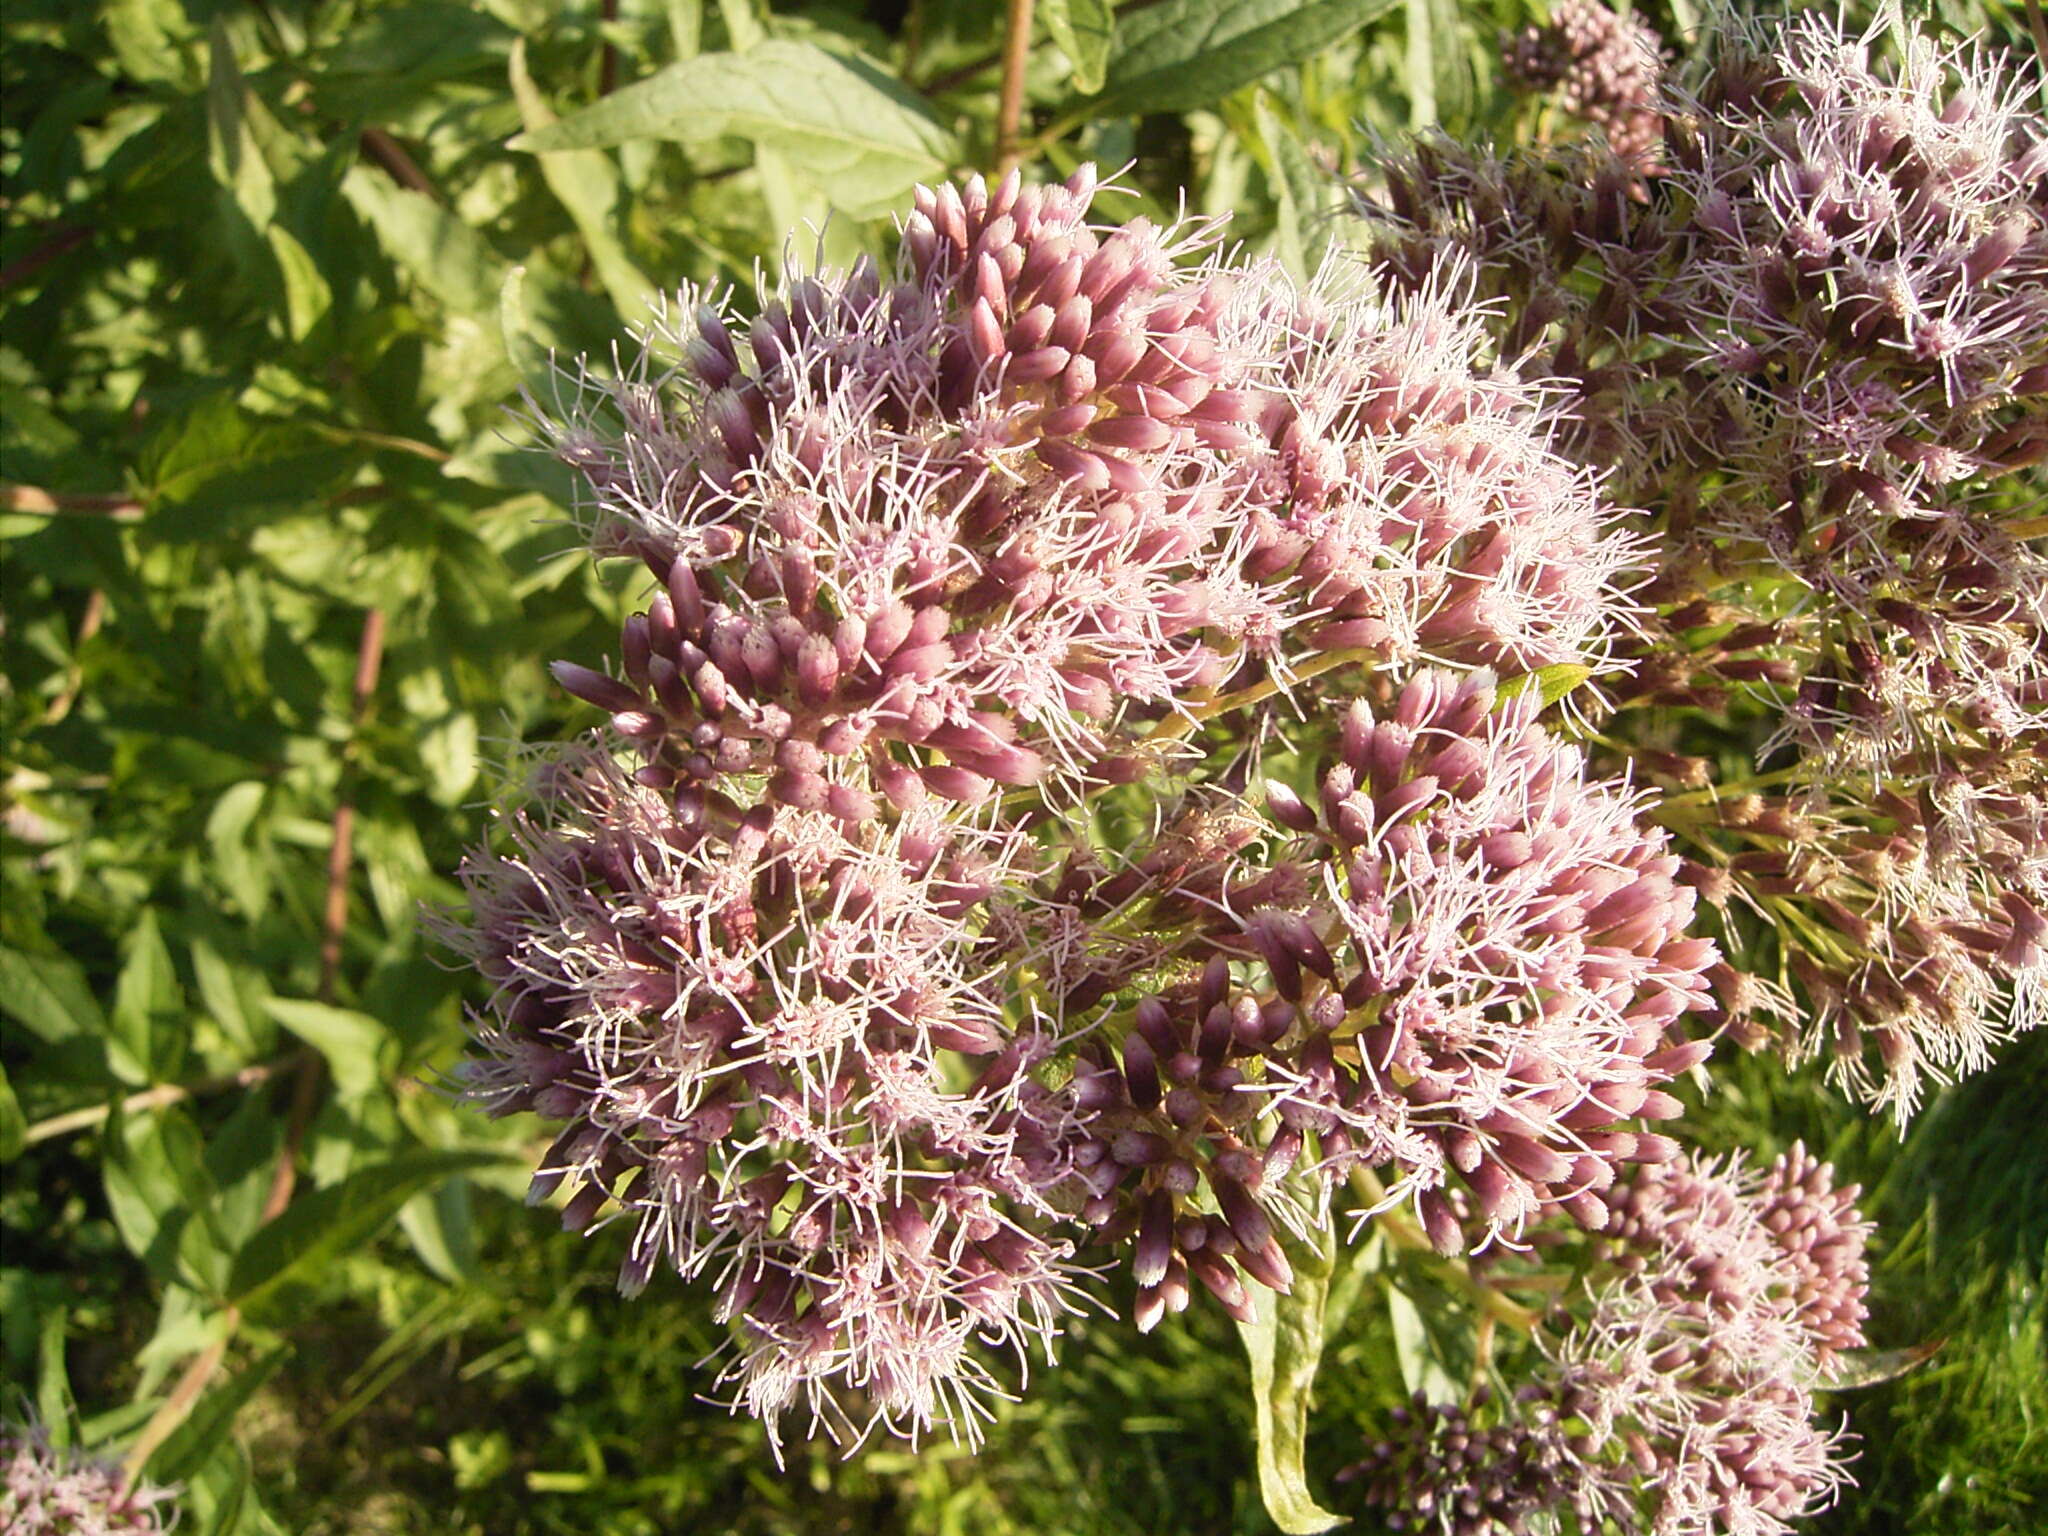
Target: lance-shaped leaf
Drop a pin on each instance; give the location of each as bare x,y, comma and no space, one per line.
1284,1341
317,1228
1189,53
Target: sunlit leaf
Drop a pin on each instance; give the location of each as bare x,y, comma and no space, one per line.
1284,1342
857,133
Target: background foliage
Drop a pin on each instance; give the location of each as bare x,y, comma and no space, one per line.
278,588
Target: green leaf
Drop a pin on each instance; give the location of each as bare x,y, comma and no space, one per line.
861,136
438,1222
1551,683
231,152
54,1402
319,1227
1854,1368
586,183
307,298
448,749
1422,1368
193,1443
148,1002
13,1124
1085,31
48,993
1188,53
234,861
217,456
1284,1341
441,253
352,1043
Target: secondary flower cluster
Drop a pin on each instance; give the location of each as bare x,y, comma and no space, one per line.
1603,68
825,958
48,1492
1681,1400
1815,355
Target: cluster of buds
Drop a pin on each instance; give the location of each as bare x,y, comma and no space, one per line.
1495,976
821,959
1450,1473
1681,1402
45,1491
1603,67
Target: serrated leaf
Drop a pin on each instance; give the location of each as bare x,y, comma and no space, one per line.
216,457
1085,31
319,1226
1189,53
858,134
353,1044
48,993
1856,1368
1284,1342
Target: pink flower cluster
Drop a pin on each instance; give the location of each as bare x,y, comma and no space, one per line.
823,960
1681,1402
48,1492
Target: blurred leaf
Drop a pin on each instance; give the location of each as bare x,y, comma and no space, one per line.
306,294
439,1224
318,1227
1855,1368
231,151
147,1002
1284,1341
860,135
54,1403
13,1126
193,1443
227,835
1085,31
440,253
1188,53
448,749
49,994
352,1043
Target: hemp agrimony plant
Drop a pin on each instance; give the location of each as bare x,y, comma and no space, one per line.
1135,784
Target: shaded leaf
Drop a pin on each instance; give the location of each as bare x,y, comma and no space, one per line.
586,183
48,994
318,1227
